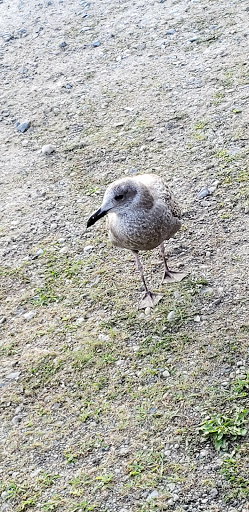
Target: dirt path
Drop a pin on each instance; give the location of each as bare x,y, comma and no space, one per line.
101,405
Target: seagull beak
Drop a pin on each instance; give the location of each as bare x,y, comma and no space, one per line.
96,216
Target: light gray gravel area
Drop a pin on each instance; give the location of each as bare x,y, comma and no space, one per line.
104,407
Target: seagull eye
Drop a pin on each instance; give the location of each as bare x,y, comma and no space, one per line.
119,197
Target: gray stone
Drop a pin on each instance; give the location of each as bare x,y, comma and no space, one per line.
204,192
16,420
2,320
152,496
63,250
29,315
95,44
166,374
88,248
171,316
18,409
171,486
124,451
48,149
23,127
13,375
4,495
170,32
63,44
203,453
214,492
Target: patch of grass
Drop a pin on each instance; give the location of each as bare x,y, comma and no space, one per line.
45,296
235,470
45,370
47,479
8,350
145,469
84,506
241,387
53,504
225,155
222,429
26,504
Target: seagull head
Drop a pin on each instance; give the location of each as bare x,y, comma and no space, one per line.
119,196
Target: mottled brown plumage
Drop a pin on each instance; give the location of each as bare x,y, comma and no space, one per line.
141,214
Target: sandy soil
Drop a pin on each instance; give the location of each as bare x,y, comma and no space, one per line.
102,405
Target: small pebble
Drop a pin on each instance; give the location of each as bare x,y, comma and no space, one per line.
152,496
48,149
103,337
16,420
95,44
136,348
170,32
166,374
39,253
214,492
23,127
203,193
63,250
2,320
197,318
80,320
63,44
171,316
147,311
13,375
88,248
124,451
5,495
203,453
29,315
18,409
171,486
53,226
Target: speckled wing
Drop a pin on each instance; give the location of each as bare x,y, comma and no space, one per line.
167,197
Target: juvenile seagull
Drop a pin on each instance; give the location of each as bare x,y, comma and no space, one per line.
141,214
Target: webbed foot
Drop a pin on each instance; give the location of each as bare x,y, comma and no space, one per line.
150,300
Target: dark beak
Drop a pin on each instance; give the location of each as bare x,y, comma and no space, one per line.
96,216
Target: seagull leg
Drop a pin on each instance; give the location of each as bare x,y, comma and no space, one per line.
150,299
170,275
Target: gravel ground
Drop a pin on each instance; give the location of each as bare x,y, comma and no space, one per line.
104,407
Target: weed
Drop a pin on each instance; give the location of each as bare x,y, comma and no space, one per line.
52,504
8,350
234,469
47,479
84,506
222,428
241,387
71,457
26,504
